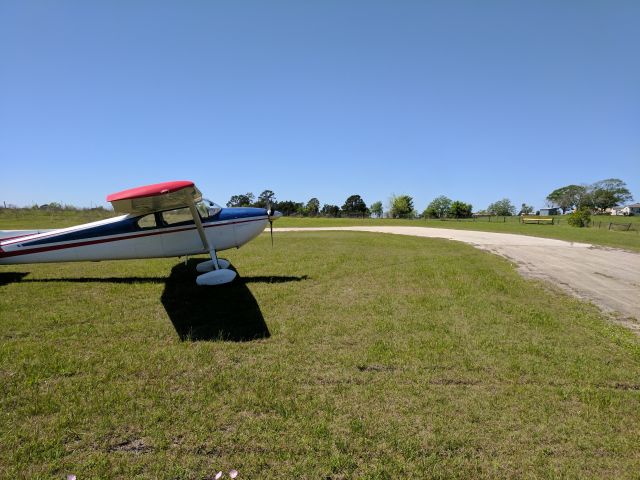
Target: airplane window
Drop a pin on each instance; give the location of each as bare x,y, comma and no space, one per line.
211,207
214,210
148,221
202,209
181,215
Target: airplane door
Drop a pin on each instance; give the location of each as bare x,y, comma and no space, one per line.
180,237
148,244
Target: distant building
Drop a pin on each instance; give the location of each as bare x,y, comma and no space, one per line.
549,211
616,211
633,209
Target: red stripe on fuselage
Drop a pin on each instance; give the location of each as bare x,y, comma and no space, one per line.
3,239
105,240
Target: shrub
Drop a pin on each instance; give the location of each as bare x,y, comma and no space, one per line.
580,218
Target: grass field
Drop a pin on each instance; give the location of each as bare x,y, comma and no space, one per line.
16,219
333,355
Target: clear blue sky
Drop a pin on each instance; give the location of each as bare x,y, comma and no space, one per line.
474,100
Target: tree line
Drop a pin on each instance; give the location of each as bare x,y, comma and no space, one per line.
400,206
600,195
354,205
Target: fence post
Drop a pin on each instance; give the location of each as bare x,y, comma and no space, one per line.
609,226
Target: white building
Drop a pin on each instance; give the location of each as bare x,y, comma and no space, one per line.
633,209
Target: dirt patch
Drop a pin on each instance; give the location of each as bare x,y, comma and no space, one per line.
376,368
133,446
453,381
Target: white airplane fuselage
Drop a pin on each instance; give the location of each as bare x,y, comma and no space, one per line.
121,238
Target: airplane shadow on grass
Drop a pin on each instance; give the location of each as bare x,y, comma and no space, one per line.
11,277
224,312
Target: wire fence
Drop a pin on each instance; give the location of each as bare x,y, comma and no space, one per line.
483,218
555,220
620,227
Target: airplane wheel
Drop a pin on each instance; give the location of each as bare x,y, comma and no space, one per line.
207,266
216,277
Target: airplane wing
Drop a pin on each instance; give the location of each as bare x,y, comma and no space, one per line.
159,197
156,197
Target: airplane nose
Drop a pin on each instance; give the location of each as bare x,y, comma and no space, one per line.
275,215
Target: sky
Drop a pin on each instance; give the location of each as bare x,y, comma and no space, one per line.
474,100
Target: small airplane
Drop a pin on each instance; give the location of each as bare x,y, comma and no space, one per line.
169,219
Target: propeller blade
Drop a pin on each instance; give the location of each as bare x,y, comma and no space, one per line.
269,214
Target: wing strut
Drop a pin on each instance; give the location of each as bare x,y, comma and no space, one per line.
203,237
220,274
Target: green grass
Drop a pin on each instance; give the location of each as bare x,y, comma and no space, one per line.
333,355
16,219
618,239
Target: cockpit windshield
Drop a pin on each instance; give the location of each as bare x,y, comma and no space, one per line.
207,208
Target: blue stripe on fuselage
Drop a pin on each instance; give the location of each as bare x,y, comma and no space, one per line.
237,212
130,225
126,225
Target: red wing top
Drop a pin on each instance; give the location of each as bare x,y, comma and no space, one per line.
156,197
150,190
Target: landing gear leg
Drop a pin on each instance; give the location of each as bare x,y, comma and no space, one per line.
214,258
214,264
215,275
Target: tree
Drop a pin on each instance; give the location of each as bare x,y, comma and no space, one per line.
376,209
288,207
401,206
245,200
460,209
610,193
438,208
354,205
313,207
330,210
525,209
602,195
568,197
265,199
502,208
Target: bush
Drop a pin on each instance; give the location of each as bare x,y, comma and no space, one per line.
580,218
